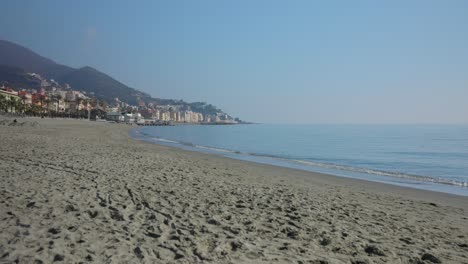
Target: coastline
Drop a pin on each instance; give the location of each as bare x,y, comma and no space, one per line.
312,177
374,175
134,201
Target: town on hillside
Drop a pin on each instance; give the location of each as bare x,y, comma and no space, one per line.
61,100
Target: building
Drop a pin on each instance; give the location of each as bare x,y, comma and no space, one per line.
115,116
164,116
146,113
70,96
72,106
112,109
38,99
200,117
26,97
156,114
173,116
187,116
132,118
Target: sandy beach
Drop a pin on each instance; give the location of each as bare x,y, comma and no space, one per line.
75,191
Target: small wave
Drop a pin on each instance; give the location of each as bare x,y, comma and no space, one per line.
218,149
382,173
165,140
318,164
432,154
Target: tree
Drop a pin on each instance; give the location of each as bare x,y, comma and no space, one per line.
93,102
23,101
35,109
86,103
41,100
78,101
17,105
56,99
47,103
3,103
13,103
103,105
68,105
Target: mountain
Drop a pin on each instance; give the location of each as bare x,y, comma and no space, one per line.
14,55
84,79
16,61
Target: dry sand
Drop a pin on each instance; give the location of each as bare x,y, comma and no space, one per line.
78,191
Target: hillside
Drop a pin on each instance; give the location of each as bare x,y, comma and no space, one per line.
85,79
18,60
14,55
17,77
103,86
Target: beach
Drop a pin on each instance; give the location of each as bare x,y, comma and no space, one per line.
77,191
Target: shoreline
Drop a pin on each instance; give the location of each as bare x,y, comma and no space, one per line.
310,177
395,179
94,193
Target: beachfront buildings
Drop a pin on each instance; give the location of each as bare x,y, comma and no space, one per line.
54,99
115,116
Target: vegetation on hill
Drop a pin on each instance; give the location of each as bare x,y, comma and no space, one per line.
16,77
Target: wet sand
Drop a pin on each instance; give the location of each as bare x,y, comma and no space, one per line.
77,191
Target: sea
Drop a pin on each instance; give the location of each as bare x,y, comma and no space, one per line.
429,157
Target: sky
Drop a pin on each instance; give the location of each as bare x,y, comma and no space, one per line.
267,61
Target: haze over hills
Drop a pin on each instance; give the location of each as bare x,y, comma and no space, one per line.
16,61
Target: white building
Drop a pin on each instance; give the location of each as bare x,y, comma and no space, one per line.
115,116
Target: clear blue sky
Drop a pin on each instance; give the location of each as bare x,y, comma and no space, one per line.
267,61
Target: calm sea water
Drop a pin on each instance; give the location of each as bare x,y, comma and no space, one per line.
433,157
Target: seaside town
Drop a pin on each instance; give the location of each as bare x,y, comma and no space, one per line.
56,100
